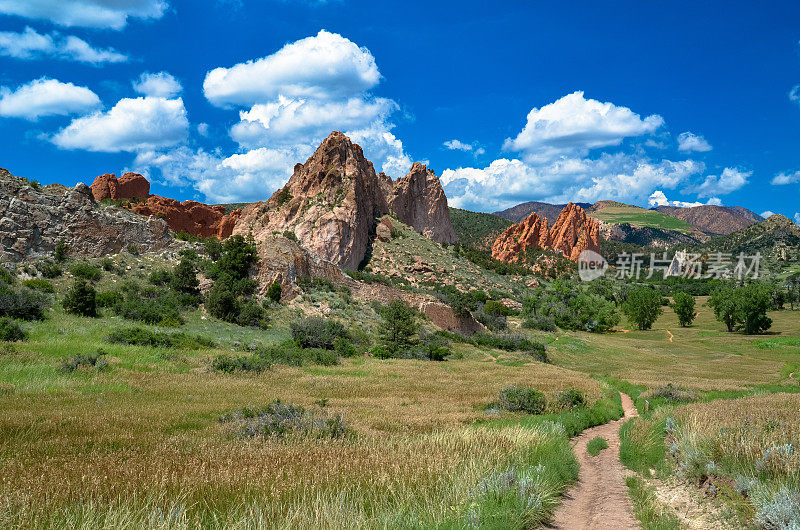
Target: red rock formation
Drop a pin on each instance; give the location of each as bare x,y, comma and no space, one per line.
128,186
193,217
196,218
572,233
331,203
530,232
418,200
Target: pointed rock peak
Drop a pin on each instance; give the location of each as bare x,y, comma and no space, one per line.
419,201
530,232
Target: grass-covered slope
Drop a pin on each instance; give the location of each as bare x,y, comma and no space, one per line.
618,213
477,229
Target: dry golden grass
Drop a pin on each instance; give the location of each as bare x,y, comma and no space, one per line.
742,429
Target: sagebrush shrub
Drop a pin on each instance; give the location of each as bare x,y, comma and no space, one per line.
84,360
39,284
540,322
10,331
674,393
782,512
279,420
143,337
522,399
571,398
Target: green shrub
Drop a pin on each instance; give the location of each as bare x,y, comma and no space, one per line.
433,347
379,352
344,347
675,394
274,291
158,339
540,322
571,398
279,420
283,196
321,356
84,360
315,332
81,299
213,248
250,363
522,399
184,278
153,305
289,234
596,445
160,277
49,270
109,298
61,251
508,342
84,271
253,315
493,322
287,353
10,331
133,250
495,308
39,284
107,264
22,303
238,256
7,277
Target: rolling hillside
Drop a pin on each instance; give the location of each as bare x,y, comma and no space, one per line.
713,220
477,229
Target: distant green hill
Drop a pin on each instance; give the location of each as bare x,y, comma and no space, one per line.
477,229
777,239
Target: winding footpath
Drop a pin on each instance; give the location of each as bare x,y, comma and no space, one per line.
600,498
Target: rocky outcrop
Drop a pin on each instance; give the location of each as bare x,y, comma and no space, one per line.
128,186
331,204
34,221
530,232
572,233
418,200
193,217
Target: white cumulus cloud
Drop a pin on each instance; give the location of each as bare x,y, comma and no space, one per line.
504,183
457,145
688,141
797,218
321,67
131,125
46,97
730,180
160,85
573,125
113,14
782,179
659,198
767,214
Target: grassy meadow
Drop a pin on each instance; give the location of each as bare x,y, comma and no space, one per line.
141,443
641,217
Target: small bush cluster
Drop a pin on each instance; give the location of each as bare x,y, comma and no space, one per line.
315,332
158,339
39,284
507,342
540,322
150,304
521,399
230,298
49,269
675,394
281,420
79,361
85,271
291,354
569,399
10,331
243,363
21,302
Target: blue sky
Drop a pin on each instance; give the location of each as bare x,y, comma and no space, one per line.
680,102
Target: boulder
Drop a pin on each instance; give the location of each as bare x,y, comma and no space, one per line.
331,203
133,186
418,200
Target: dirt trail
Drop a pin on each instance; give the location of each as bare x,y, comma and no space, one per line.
600,498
